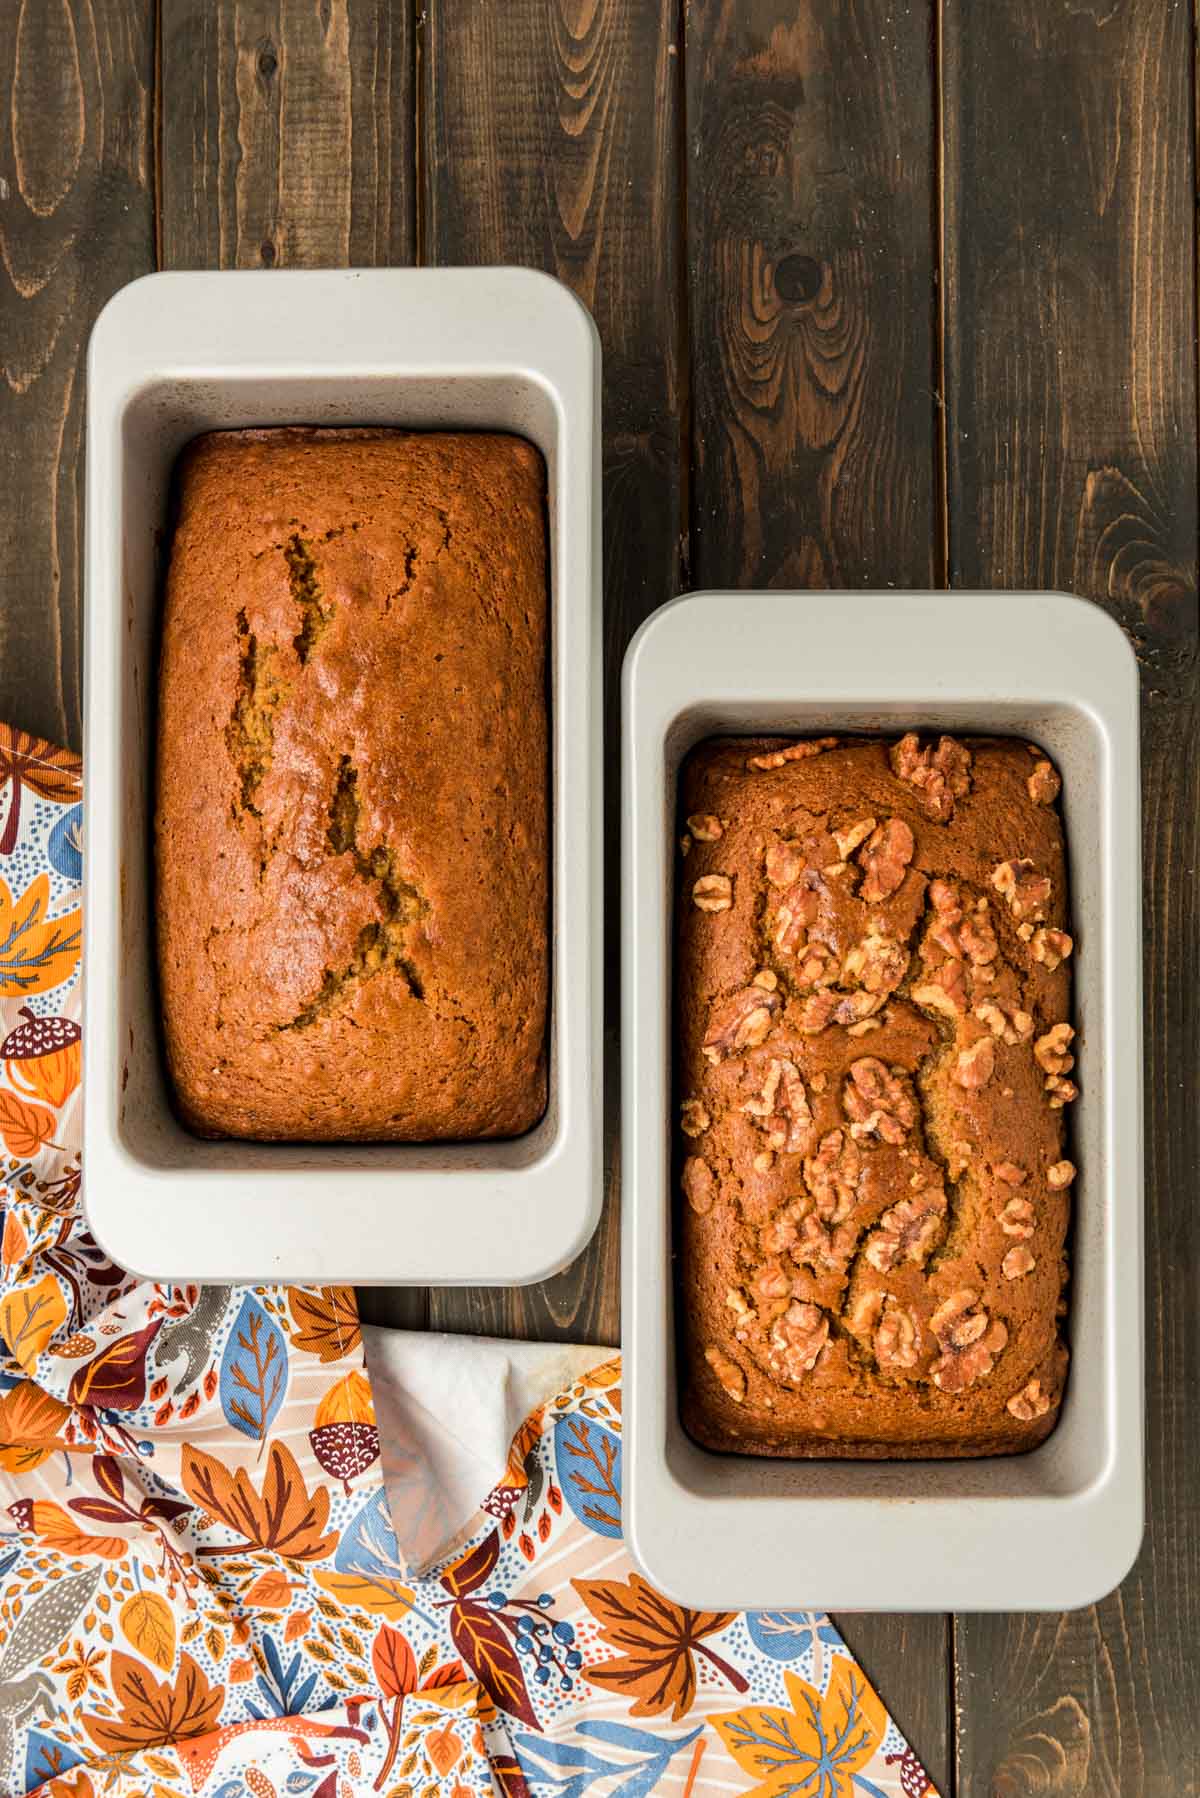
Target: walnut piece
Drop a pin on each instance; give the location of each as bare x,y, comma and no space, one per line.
826,1007
797,1340
821,1245
849,839
908,1231
713,892
1050,947
740,1022
1060,1174
784,863
1017,1263
945,991
1017,1218
728,1373
940,775
795,752
1061,1091
893,1327
965,935
698,1184
969,1340
832,1176
796,911
772,1289
1032,1401
1026,891
878,963
878,1101
1043,784
1052,1051
1005,1020
705,828
693,1118
816,966
976,1065
782,1107
884,859
1010,1173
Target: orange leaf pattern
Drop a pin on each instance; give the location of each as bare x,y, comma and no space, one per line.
201,1588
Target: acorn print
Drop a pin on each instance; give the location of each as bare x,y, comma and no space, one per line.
42,1057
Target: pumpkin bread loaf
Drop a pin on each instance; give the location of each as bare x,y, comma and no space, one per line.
873,1063
351,818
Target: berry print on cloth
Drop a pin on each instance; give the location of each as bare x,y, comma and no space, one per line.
202,1589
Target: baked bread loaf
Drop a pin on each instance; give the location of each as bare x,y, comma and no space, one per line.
873,1061
351,814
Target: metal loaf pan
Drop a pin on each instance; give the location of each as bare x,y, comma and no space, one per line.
177,354
1047,1530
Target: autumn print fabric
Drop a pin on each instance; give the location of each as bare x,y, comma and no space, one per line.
201,1588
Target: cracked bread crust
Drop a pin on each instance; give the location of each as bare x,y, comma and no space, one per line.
351,832
873,1044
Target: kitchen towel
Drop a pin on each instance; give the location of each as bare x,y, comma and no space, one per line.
241,1558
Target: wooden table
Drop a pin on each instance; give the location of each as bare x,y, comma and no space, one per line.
893,293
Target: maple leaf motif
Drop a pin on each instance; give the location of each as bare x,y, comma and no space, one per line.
818,1746
26,761
36,951
155,1713
657,1642
326,1320
285,1517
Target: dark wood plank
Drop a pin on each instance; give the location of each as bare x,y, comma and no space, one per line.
811,284
551,140
287,138
76,223
1071,416
287,134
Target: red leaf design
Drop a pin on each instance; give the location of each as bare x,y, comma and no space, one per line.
394,1663
106,1470
508,1777
482,1641
101,1510
43,768
116,1377
469,1572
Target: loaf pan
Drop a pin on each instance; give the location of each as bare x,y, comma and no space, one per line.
1051,1529
445,349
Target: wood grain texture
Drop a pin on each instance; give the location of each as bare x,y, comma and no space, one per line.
551,140
76,223
1071,431
287,134
811,266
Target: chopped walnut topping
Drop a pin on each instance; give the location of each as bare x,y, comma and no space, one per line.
1062,1091
831,870
772,1289
894,1329
1025,932
1060,1174
698,1184
1005,1020
1026,891
778,1236
821,1245
797,1340
827,1007
1052,1052
849,839
740,1022
728,1373
945,991
693,1118
969,1341
795,752
1010,1173
1017,1218
832,1176
878,1102
1043,784
764,1162
976,1065
864,1026
782,1107
1032,1401
884,857
940,775
1050,947
784,864
817,966
767,978
705,828
960,934
908,1231
1017,1263
795,912
713,892
737,1302
878,963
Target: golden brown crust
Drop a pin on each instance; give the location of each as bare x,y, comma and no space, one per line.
873,1059
351,817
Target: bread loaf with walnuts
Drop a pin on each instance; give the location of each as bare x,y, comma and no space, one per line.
874,1064
351,832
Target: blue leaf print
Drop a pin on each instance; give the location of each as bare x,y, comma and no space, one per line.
568,1769
253,1371
786,1635
368,1545
232,1788
588,1459
299,1782
65,847
45,1759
